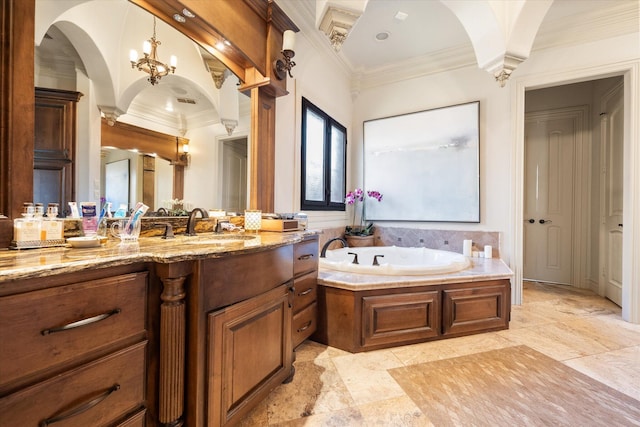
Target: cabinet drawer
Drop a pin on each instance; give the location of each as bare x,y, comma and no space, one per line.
46,328
305,256
304,324
95,394
306,291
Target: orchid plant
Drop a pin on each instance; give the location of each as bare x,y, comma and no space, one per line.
352,198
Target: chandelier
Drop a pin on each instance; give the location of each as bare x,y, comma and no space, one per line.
150,63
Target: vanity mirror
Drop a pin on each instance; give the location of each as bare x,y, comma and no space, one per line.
78,52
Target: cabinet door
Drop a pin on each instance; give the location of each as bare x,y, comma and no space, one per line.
483,306
399,318
249,353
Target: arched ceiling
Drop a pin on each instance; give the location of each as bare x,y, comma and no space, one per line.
432,36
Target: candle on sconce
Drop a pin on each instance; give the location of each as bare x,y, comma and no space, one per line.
288,40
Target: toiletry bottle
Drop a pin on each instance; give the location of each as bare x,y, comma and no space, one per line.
52,226
27,228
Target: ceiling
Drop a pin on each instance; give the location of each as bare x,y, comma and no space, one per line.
431,39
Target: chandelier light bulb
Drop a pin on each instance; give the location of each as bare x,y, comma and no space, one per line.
146,47
173,61
133,55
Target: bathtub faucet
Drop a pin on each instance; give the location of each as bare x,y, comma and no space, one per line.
323,252
375,259
355,257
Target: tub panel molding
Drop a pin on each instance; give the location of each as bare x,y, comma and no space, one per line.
476,308
390,318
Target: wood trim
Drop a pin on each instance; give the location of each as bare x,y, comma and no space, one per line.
263,122
17,103
129,137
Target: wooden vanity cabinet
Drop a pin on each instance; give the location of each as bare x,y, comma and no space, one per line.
239,334
78,349
305,273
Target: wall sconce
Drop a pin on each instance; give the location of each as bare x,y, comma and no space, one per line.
185,157
280,67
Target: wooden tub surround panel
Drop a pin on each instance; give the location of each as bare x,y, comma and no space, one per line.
365,320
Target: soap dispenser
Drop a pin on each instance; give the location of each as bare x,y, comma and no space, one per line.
27,228
52,226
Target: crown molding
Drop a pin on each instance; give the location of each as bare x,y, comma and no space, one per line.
618,19
460,56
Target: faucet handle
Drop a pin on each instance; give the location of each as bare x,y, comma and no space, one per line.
220,225
168,229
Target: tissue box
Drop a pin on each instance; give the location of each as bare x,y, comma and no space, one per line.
280,225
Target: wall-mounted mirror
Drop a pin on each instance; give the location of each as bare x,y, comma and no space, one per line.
199,102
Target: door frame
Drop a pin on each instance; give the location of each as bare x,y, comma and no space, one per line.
631,234
603,192
582,186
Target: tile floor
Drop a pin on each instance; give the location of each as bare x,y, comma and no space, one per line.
336,388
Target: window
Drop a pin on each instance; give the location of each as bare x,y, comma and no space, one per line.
324,154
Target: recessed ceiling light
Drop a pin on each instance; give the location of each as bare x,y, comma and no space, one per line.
382,36
188,13
401,16
179,18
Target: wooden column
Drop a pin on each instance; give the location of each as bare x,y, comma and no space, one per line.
263,124
171,380
17,28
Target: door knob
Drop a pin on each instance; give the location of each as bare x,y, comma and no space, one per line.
545,221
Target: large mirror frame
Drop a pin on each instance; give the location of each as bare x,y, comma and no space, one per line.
254,52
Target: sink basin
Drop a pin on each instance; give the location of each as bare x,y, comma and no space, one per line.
222,239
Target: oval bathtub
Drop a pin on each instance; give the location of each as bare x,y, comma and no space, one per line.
396,261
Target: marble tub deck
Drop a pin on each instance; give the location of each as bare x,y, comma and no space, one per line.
481,269
336,388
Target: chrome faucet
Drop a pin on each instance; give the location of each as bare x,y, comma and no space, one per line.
191,222
323,253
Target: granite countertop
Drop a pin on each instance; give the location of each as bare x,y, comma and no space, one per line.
481,269
33,263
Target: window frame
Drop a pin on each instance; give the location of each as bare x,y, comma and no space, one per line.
329,124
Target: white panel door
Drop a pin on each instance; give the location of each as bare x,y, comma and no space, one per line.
234,175
548,204
613,152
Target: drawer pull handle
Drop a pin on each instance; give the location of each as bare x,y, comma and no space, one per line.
83,407
305,327
82,322
305,257
305,292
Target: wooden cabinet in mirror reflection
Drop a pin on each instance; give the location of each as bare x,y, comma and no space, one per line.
54,146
